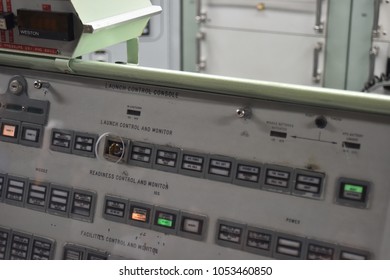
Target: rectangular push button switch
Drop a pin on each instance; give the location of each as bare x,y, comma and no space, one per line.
259,241
84,144
353,254
115,208
141,154
165,220
37,195
59,199
192,164
83,205
31,135
96,255
230,234
247,174
15,191
73,252
289,247
353,193
61,140
192,226
320,251
220,168
166,159
20,246
308,184
140,214
277,178
10,131
42,249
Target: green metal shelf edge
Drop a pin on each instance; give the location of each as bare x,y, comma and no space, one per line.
319,97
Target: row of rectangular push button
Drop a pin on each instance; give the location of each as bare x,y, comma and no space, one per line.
278,245
220,168
15,245
26,134
162,219
72,142
48,197
298,182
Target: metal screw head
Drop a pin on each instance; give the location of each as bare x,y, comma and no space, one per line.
38,84
15,87
243,113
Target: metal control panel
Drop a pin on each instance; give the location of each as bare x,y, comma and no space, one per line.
143,164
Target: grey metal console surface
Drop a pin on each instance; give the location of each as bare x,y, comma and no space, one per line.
146,164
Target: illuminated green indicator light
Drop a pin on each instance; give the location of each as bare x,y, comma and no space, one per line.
353,188
164,222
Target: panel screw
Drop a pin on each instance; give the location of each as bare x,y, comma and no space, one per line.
40,84
243,113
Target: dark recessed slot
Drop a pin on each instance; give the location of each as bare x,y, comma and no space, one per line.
35,110
351,145
14,107
278,134
134,113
